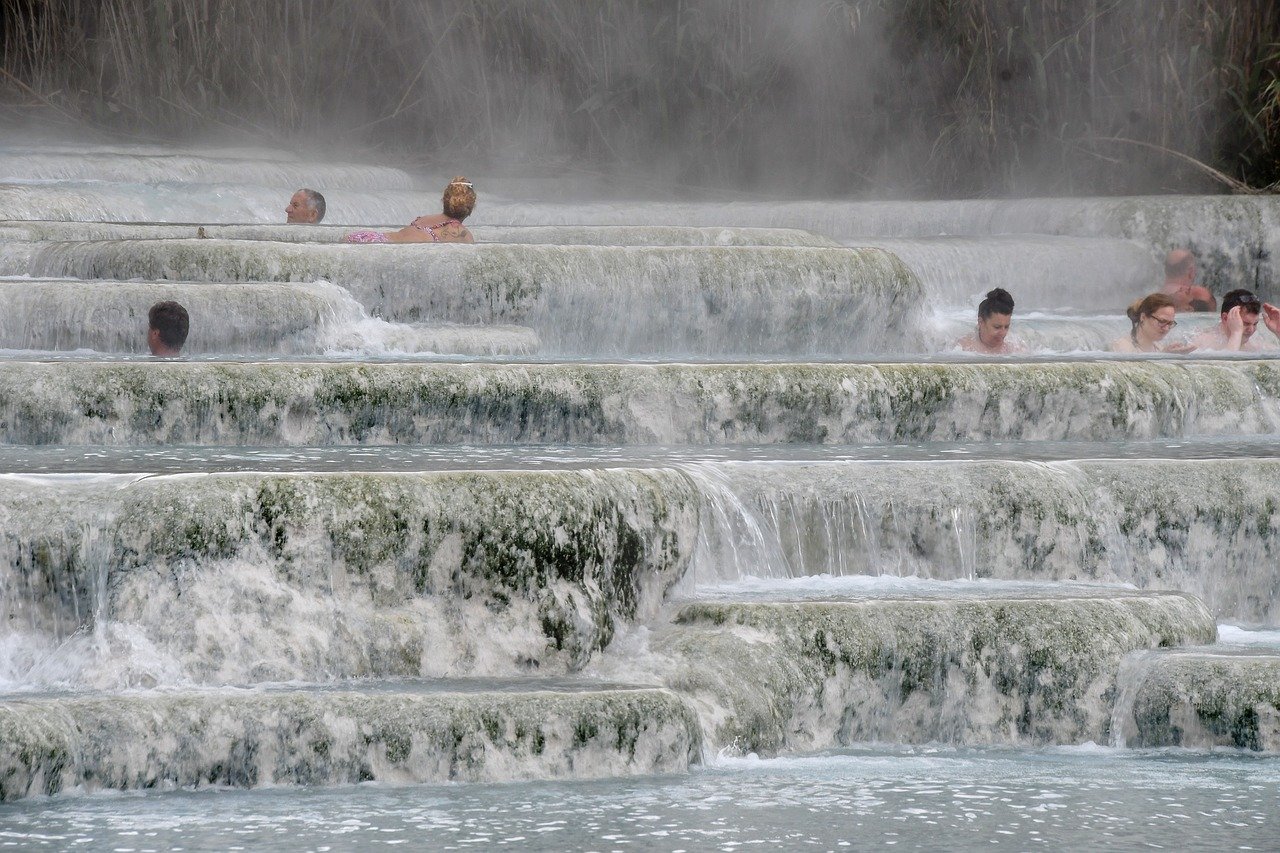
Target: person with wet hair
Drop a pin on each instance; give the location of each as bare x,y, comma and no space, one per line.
995,317
1238,320
306,207
1180,283
1152,318
445,227
167,327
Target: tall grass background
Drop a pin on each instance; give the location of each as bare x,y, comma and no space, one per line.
838,97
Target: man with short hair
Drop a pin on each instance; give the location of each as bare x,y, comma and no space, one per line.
167,327
306,207
1180,283
1241,311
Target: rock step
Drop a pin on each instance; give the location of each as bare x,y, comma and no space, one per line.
1210,527
202,203
1206,699
582,300
336,737
563,235
1234,237
244,578
775,676
194,168
243,318
672,404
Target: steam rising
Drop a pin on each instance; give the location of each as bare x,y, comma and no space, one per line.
914,97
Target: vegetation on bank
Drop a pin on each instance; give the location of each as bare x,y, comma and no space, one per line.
840,97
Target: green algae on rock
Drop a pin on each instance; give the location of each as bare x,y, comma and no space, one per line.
50,745
809,675
250,577
1201,700
676,404
1204,526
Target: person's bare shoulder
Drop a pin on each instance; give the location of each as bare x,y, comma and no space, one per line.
1124,344
1207,339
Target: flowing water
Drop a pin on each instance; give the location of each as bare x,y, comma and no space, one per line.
645,526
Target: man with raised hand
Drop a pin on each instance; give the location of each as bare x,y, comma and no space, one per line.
1241,312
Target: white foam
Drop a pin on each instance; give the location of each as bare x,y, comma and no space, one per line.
1236,636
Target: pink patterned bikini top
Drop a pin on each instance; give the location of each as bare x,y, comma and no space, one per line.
431,229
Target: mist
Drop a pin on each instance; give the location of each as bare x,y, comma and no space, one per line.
851,98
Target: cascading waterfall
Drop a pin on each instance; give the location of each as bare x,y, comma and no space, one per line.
604,301
258,318
622,489
1233,236
1047,273
1144,522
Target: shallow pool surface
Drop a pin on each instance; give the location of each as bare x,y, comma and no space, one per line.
921,798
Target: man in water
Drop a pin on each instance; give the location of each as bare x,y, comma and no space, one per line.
995,317
167,326
1241,311
1180,283
306,207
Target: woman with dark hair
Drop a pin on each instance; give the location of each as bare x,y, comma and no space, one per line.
1153,317
446,227
995,317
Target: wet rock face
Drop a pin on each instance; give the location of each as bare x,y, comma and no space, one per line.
1202,700
148,741
1208,527
347,404
794,676
248,578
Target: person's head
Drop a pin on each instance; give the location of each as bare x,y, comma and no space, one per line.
995,316
459,198
167,326
1180,268
1250,309
306,207
1152,316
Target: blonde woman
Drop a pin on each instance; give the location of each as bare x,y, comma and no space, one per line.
445,227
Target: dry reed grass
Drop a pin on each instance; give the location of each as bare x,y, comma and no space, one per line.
919,97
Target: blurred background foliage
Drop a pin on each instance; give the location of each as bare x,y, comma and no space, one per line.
907,98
